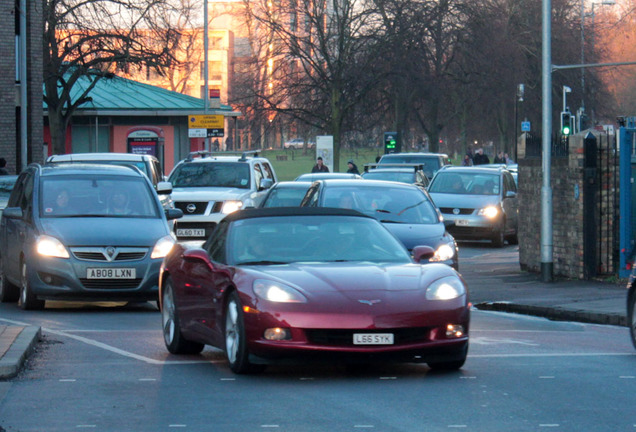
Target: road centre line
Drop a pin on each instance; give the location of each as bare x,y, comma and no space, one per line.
550,355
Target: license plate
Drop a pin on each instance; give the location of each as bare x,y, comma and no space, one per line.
461,222
373,338
190,232
111,273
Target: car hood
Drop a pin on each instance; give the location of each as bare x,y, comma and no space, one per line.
105,231
208,194
464,201
412,235
354,281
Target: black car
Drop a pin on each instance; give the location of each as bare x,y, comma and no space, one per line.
405,209
403,173
431,162
82,232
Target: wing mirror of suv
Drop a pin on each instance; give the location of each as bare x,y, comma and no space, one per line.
164,188
173,213
511,194
265,184
13,213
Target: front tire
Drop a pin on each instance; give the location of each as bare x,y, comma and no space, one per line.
9,292
235,339
498,238
28,301
172,337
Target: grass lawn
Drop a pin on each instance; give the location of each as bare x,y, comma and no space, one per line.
301,161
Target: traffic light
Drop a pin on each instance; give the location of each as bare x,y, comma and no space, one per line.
391,142
566,123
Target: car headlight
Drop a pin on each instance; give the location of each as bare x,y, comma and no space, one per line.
162,247
50,247
490,212
231,206
277,292
447,288
443,253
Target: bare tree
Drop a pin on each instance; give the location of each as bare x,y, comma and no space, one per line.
87,39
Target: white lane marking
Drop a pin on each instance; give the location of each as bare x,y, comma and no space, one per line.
546,377
498,341
468,377
270,426
552,425
457,426
147,379
388,378
364,426
125,353
177,425
85,426
228,379
67,380
627,377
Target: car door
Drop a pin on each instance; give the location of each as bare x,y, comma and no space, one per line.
18,231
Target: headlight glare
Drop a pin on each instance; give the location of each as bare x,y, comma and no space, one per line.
231,206
162,247
50,247
277,292
447,288
490,212
443,253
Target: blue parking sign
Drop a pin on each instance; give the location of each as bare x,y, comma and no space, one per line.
525,126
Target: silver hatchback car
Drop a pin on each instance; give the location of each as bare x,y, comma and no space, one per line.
481,202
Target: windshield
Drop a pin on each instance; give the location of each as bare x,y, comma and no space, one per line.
465,183
276,240
97,196
212,174
402,177
285,197
387,204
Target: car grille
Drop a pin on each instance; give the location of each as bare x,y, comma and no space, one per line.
199,207
462,211
345,337
109,254
114,284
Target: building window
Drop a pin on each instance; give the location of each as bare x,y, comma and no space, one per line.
215,70
215,43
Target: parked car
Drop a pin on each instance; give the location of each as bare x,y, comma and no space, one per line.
7,183
512,168
405,210
310,283
403,173
311,177
147,164
286,194
482,203
431,162
82,232
208,186
297,143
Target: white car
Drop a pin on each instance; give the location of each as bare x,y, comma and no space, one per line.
208,186
297,143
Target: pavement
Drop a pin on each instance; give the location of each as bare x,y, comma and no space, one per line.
495,282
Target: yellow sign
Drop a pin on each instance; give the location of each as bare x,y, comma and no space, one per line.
206,121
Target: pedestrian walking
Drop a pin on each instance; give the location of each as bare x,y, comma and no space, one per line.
320,166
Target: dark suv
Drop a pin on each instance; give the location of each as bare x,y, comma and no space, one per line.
431,162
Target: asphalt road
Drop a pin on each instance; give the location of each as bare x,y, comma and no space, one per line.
106,369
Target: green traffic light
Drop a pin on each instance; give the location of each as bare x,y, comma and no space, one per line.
566,130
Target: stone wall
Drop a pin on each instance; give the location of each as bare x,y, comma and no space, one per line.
567,183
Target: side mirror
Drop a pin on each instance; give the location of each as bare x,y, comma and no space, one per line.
449,223
197,255
423,253
265,184
164,188
173,213
511,194
13,213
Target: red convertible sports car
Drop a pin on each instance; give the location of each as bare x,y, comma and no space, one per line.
282,283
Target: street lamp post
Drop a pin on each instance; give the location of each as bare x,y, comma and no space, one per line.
518,98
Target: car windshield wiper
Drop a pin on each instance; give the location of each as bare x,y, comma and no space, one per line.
390,221
262,262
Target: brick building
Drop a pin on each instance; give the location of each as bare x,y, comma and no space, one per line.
15,99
